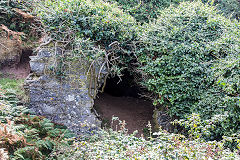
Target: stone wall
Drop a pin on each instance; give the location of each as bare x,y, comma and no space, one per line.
64,98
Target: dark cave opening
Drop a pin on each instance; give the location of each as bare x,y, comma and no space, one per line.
25,58
124,87
122,99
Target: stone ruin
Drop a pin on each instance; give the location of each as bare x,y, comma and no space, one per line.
68,98
65,99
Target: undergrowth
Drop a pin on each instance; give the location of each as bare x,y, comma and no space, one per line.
24,135
12,85
117,144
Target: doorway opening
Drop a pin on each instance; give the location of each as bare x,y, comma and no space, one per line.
121,98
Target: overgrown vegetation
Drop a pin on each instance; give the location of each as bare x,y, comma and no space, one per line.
12,17
102,22
23,135
188,53
229,8
72,23
110,144
16,23
191,54
147,10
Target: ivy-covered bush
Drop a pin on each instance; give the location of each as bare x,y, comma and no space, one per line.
223,96
183,52
145,10
100,21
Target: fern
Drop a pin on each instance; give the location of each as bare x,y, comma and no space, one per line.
45,144
29,152
31,136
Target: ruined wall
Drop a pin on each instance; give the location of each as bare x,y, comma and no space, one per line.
64,98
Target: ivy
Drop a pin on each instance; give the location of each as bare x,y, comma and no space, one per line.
191,56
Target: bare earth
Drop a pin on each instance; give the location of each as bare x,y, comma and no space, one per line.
136,112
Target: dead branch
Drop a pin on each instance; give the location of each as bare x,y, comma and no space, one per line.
43,44
24,14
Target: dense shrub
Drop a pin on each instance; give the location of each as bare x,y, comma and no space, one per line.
183,52
223,96
229,7
145,10
98,20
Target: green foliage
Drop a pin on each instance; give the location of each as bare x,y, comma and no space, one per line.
229,7
183,52
198,128
203,130
96,30
118,145
223,96
12,85
10,18
25,136
145,10
98,20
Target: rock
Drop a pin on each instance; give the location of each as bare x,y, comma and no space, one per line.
162,119
63,99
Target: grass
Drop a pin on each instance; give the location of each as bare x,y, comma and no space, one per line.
12,85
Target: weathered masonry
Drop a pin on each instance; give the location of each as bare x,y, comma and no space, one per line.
65,98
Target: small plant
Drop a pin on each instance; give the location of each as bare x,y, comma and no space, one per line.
105,123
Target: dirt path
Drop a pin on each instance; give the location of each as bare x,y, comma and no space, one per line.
136,112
